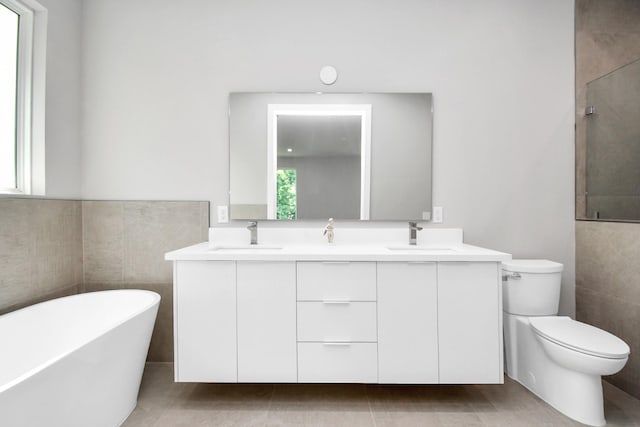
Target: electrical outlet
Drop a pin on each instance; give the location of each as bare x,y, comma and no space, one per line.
437,214
223,214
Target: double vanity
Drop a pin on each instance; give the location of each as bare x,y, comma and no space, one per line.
369,308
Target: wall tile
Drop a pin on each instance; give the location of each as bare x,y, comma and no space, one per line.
40,249
105,286
153,228
588,304
57,230
607,255
608,289
204,221
16,252
103,237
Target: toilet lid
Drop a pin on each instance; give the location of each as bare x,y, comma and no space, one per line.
532,266
580,337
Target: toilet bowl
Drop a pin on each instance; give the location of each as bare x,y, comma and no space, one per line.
581,347
559,359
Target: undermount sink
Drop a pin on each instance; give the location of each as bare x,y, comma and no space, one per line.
243,247
420,248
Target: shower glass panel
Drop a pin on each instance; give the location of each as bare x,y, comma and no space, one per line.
613,145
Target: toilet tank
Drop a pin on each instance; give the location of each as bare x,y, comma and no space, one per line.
531,287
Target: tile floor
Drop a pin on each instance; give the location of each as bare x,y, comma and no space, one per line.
165,403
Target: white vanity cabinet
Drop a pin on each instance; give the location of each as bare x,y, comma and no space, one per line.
407,323
470,322
387,318
205,321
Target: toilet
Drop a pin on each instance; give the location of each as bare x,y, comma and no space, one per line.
559,359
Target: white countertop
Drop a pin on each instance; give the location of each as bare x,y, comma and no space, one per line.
335,252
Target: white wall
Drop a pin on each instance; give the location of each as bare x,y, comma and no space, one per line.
62,109
157,76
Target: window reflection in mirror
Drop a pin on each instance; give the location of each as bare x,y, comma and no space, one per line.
287,202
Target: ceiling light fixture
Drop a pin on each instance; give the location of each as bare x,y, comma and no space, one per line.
328,75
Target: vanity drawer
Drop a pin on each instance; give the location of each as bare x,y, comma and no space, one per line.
337,362
352,281
337,321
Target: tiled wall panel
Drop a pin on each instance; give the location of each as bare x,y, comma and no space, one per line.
607,254
608,288
40,250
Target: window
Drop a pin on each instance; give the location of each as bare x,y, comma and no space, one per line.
22,75
8,89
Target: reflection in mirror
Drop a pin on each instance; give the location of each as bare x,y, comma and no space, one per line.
316,156
324,149
613,148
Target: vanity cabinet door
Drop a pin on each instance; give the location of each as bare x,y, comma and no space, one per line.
267,321
469,322
407,323
205,321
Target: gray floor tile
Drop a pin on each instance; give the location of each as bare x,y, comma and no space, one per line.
163,403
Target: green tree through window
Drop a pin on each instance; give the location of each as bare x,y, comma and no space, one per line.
286,187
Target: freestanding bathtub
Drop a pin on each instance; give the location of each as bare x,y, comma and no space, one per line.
75,361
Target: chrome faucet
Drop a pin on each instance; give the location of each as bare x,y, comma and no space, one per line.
413,232
253,228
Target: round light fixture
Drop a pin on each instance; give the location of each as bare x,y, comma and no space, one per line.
328,75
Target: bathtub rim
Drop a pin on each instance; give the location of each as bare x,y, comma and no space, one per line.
99,332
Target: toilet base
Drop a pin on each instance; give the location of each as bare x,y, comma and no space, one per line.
575,394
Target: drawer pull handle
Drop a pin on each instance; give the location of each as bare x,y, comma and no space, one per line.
336,262
332,301
337,344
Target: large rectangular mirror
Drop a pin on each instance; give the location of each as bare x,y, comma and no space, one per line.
306,156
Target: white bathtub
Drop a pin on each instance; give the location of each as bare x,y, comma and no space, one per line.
75,361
